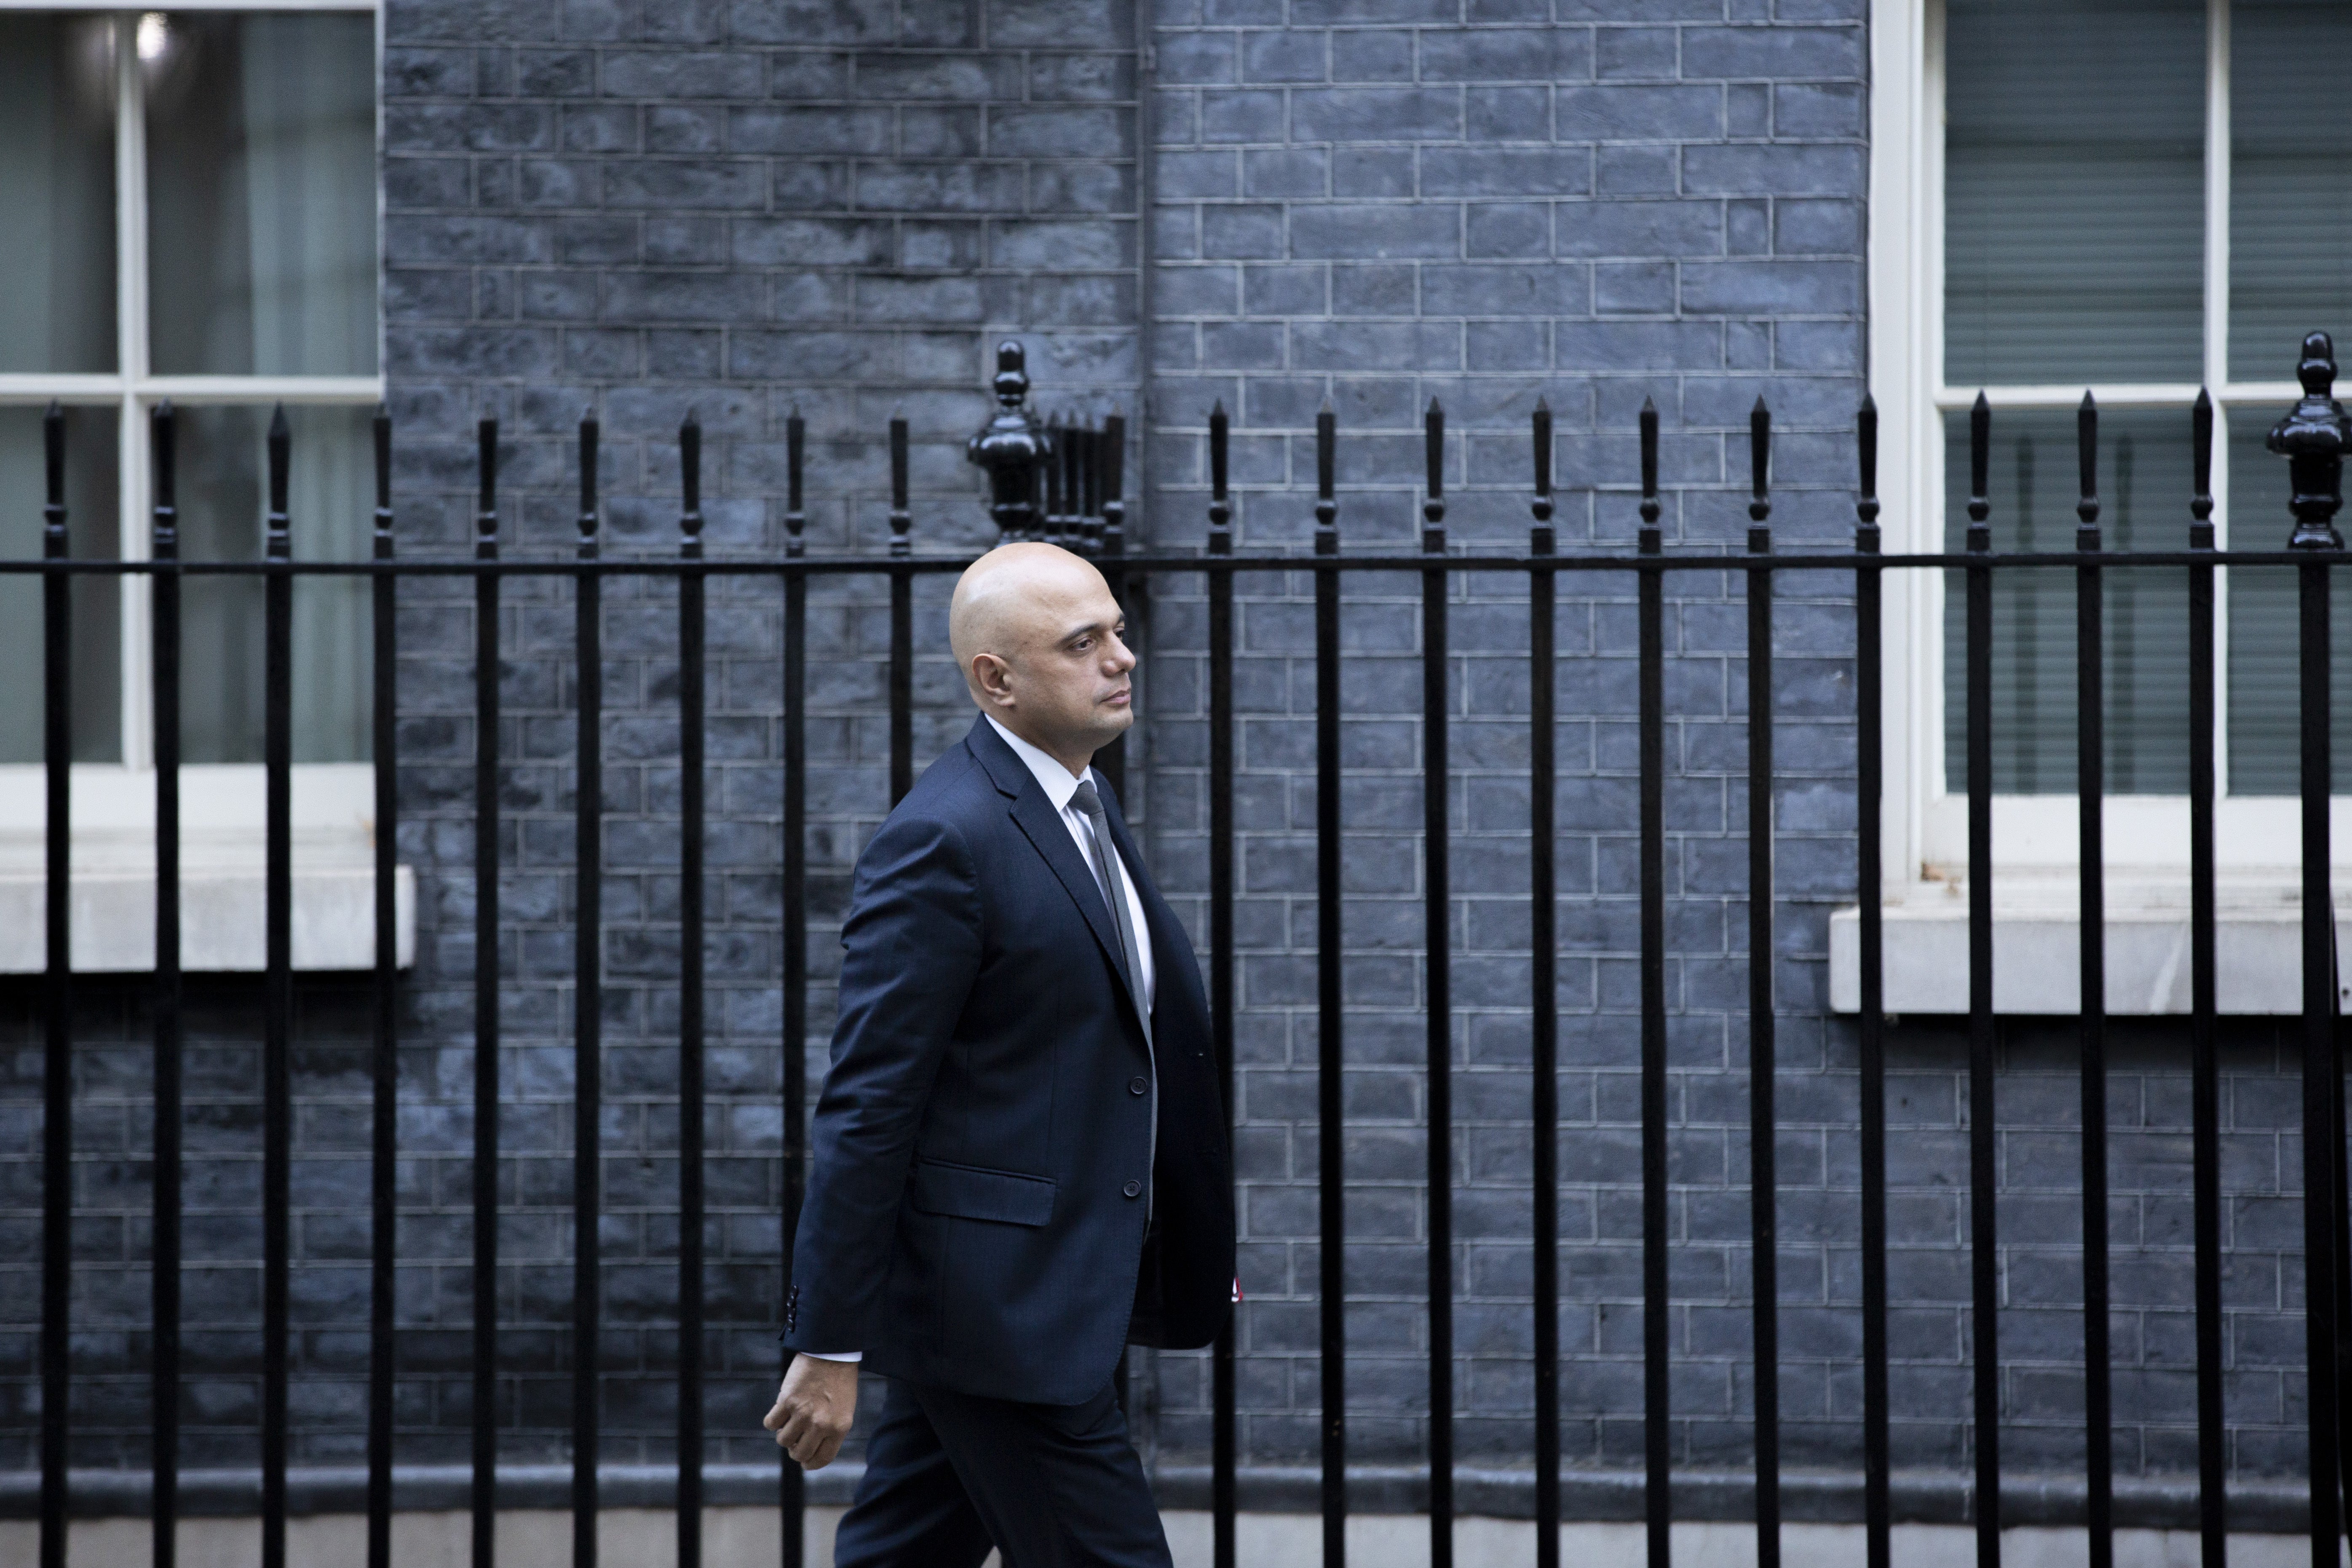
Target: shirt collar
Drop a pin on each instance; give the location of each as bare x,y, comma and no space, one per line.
1052,777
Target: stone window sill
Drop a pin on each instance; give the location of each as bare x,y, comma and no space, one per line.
221,871
221,917
2037,949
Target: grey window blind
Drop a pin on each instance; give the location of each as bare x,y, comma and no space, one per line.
2073,211
57,189
261,189
2264,657
2290,181
2073,253
222,457
2143,482
92,504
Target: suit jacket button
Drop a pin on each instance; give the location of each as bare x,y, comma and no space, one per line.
1139,1085
1133,1189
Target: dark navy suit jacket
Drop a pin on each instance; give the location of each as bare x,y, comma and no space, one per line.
976,1209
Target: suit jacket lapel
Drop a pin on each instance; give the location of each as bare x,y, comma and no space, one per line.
1042,826
1036,818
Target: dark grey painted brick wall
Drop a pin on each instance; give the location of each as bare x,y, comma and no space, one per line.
1381,204
736,210
645,209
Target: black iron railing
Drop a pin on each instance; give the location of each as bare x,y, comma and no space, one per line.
1065,484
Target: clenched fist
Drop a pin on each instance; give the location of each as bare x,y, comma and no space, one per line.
814,1409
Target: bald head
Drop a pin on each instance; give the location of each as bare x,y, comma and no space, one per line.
1040,644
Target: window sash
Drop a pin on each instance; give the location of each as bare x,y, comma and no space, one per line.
2241,404
134,391
1925,828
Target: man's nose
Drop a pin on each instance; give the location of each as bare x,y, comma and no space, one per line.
1122,658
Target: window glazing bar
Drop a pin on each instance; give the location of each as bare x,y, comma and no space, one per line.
364,389
38,387
2124,395
130,364
55,5
2217,194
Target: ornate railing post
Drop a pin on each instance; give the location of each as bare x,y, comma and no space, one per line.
1012,448
2313,439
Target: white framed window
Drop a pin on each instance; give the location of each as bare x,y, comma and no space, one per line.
194,217
2135,198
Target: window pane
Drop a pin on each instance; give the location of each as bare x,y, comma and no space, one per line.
2073,216
2144,505
2265,713
2290,203
56,185
328,501
262,194
91,527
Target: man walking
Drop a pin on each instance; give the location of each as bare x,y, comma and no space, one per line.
1020,1162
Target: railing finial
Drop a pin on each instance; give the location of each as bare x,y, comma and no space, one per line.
381,429
1054,451
2201,460
486,512
278,542
589,432
900,519
1979,535
1221,505
1865,506
163,449
795,515
2086,459
1650,508
1540,538
1113,479
1327,470
689,474
1759,473
1432,510
2313,439
52,471
1011,448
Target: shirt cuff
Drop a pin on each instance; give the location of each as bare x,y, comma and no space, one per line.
836,1355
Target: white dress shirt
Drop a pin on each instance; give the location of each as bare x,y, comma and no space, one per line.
1061,786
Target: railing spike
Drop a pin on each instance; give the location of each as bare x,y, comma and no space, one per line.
276,543
1432,510
1760,466
2087,460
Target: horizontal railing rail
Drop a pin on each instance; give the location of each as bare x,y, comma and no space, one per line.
1213,565
1065,484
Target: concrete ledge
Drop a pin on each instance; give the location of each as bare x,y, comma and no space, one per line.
222,836
1598,1496
2037,955
221,912
751,1538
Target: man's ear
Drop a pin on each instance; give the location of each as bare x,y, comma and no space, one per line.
991,680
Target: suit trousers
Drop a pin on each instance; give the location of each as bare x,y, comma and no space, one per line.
948,1475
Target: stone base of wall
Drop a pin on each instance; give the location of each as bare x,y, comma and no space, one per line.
742,1537
2154,1505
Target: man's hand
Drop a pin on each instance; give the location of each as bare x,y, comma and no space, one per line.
814,1409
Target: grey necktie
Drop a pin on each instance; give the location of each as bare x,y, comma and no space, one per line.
1114,886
